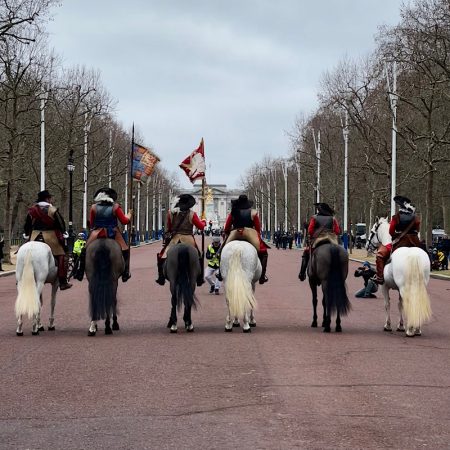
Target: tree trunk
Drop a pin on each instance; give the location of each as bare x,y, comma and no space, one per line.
429,208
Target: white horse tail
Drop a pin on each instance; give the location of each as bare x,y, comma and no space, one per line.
416,302
27,301
238,289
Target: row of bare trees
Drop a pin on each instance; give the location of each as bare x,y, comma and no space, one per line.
420,48
78,113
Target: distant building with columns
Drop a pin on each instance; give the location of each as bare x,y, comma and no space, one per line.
217,201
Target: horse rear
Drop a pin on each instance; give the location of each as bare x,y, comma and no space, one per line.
104,266
329,268
409,273
182,268
241,269
35,267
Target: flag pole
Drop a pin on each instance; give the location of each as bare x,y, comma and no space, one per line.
130,188
203,217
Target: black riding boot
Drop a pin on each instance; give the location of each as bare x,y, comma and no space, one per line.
81,265
305,260
263,258
126,273
161,278
200,278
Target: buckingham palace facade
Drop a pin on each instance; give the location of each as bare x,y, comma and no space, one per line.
217,202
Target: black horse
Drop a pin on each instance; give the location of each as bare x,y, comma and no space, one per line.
329,267
104,266
182,268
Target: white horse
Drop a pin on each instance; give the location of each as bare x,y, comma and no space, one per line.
241,269
407,272
35,267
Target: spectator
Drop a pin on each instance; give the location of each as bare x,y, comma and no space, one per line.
370,287
2,243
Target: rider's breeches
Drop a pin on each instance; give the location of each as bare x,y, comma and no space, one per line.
383,254
210,277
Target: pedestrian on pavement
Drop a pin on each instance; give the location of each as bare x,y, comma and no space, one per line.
370,287
212,256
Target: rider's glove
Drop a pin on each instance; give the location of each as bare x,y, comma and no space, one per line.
65,235
25,236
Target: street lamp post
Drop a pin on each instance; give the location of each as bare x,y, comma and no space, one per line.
345,132
70,168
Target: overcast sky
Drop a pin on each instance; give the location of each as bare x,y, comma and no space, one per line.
235,72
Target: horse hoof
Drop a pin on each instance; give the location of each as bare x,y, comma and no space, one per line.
247,330
173,329
91,333
418,333
51,328
401,329
115,326
338,329
19,333
228,330
253,324
108,331
35,333
236,324
388,329
314,325
189,328
41,328
327,330
409,335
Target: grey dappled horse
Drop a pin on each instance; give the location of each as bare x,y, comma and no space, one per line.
329,267
182,268
241,269
104,266
35,267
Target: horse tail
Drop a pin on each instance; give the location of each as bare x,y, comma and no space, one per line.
27,302
183,286
337,298
101,290
416,301
238,288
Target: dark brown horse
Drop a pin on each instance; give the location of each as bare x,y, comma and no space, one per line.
104,266
182,268
329,267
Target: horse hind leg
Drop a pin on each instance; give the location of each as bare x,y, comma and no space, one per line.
108,329
40,327
338,323
172,324
252,319
189,327
387,310
51,322
115,324
35,325
19,329
401,325
246,325
92,328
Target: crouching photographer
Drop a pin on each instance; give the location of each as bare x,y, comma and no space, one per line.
370,287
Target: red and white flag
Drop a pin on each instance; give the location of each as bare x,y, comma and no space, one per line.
194,165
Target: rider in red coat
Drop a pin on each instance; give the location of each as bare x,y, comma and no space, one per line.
321,224
404,229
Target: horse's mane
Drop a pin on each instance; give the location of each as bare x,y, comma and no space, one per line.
383,230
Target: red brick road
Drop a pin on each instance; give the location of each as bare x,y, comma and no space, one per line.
283,386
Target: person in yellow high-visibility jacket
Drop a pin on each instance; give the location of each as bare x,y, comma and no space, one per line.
213,266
